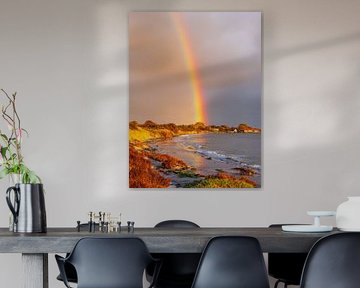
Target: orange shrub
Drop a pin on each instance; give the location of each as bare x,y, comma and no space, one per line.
167,161
141,172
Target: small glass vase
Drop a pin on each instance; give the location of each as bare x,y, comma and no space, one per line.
14,179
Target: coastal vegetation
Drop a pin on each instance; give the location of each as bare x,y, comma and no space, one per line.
222,180
141,172
150,169
151,131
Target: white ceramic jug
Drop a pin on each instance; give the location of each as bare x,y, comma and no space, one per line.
348,215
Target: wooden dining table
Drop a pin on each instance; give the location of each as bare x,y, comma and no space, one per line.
35,247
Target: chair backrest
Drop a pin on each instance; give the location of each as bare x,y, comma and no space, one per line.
333,262
177,268
232,262
176,224
110,262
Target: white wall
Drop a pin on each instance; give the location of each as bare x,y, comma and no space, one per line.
68,62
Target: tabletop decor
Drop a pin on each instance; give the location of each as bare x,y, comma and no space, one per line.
313,228
12,160
25,197
348,214
195,99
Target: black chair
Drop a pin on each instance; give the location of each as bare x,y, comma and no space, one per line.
108,262
69,269
178,269
333,262
176,224
286,267
232,262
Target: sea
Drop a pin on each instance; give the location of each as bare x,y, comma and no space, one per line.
215,152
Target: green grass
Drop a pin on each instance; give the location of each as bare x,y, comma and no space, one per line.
143,135
140,135
219,183
187,173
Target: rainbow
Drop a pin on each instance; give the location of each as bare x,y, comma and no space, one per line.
192,67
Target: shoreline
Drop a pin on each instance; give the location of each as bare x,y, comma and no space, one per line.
207,162
151,168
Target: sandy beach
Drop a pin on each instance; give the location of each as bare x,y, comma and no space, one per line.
209,154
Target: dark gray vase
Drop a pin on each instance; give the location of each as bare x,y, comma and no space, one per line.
27,207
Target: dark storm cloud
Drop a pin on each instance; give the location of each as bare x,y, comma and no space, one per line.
246,110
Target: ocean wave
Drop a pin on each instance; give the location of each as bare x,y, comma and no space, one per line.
212,154
211,148
236,159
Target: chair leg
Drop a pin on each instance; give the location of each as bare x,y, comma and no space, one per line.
279,281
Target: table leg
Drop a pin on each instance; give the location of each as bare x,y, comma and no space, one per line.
35,270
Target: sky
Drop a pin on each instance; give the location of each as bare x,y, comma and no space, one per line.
186,66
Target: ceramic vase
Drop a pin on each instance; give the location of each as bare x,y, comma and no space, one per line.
27,204
348,215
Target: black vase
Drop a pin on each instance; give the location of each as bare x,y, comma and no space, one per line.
28,208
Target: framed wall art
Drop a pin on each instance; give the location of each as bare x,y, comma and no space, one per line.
195,99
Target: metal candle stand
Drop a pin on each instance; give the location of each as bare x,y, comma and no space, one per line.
105,223
130,226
